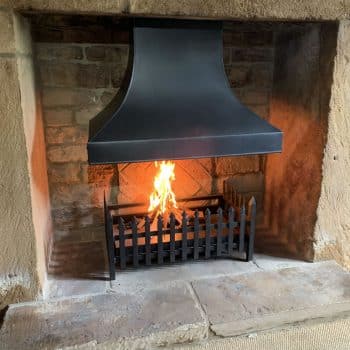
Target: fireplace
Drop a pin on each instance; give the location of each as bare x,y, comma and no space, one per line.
82,69
282,71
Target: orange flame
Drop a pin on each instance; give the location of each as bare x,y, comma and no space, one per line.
162,198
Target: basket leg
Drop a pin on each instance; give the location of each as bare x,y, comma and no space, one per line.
109,242
250,248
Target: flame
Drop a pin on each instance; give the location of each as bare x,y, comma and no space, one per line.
163,198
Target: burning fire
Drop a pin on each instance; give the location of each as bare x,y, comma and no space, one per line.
162,199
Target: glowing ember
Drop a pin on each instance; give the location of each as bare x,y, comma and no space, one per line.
162,199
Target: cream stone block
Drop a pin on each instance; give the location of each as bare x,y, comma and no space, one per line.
267,9
7,38
18,276
332,233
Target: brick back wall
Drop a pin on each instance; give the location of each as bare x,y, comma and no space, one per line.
77,81
80,65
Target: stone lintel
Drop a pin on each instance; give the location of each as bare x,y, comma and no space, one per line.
222,9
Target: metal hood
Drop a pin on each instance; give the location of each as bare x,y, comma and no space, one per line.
176,102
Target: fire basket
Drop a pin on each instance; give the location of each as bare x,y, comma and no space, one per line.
222,228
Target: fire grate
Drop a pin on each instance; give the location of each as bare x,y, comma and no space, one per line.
223,228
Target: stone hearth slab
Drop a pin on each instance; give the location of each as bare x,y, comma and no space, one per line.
155,317
328,335
263,300
145,278
130,281
266,262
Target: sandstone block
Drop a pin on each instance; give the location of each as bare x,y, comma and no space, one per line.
19,260
23,39
73,75
10,96
70,194
7,35
243,304
58,117
68,217
64,173
49,51
67,153
230,9
83,116
88,191
66,135
108,53
98,173
236,165
247,183
157,317
57,97
252,54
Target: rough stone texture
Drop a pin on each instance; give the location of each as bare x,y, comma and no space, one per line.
303,70
321,336
73,75
157,317
78,265
59,117
263,300
332,233
66,135
67,153
137,315
224,9
146,278
21,252
267,262
64,97
77,82
35,146
7,43
65,173
67,287
50,51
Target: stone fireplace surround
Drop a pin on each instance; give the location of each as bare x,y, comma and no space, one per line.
25,227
